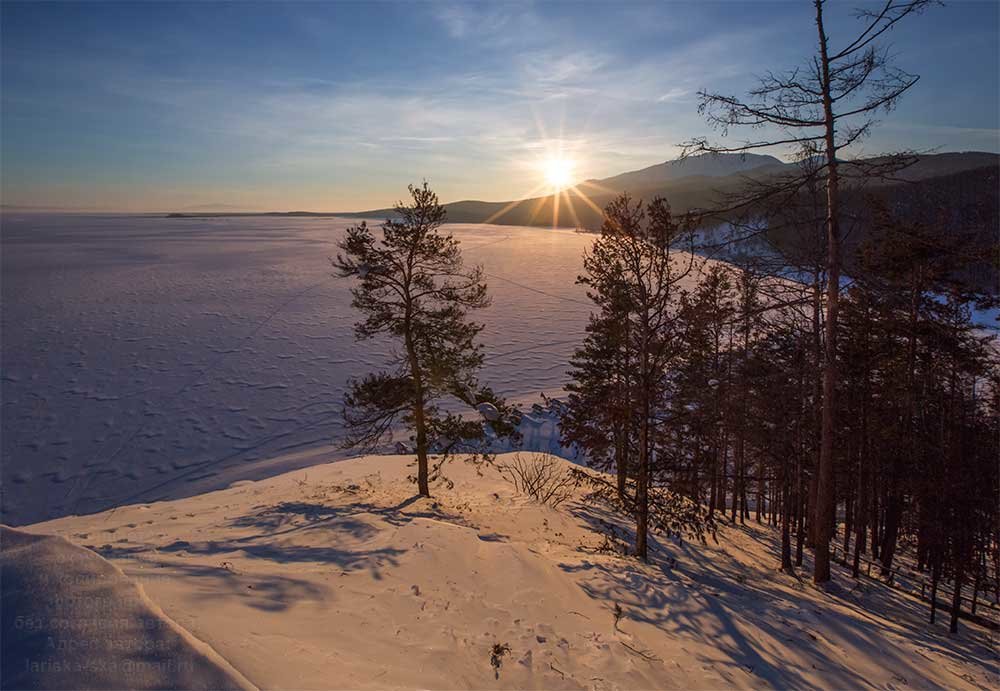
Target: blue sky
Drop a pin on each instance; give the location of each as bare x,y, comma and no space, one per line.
141,106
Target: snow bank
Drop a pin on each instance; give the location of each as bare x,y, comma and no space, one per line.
71,620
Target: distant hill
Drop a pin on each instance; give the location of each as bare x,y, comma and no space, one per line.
214,207
693,183
687,183
708,166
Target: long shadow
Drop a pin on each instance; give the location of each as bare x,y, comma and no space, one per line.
267,592
272,530
291,517
877,609
602,522
747,613
344,559
272,527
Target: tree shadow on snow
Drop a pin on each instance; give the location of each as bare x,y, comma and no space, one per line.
273,531
265,592
752,615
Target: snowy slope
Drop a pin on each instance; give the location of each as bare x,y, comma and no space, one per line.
72,620
335,576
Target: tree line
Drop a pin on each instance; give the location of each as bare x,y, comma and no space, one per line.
861,409
709,390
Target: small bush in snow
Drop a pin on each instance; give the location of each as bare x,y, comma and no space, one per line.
540,477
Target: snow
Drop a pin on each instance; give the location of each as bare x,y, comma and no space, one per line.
73,620
337,576
149,357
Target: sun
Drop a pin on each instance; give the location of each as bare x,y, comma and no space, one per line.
558,172
557,189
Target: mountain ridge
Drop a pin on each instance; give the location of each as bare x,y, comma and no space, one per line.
709,176
705,165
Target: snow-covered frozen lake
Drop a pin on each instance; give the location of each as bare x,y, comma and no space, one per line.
147,357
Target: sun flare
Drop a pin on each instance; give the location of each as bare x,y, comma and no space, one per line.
558,172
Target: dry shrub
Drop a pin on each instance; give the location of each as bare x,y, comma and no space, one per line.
540,477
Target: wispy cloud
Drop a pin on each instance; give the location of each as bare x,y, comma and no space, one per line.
675,94
488,24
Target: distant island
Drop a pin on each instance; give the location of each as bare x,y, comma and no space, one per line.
229,214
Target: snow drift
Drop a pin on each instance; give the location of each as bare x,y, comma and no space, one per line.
337,576
71,620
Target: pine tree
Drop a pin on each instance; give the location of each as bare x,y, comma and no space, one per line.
820,109
414,289
702,382
632,276
916,403
599,413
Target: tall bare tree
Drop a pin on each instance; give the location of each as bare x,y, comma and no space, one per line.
821,109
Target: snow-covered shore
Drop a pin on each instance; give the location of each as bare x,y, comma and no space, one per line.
336,576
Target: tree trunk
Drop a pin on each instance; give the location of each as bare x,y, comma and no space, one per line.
419,421
893,513
626,396
894,508
799,459
621,462
741,462
713,495
875,515
848,515
724,473
736,482
825,474
817,344
642,491
975,586
642,478
786,518
862,508
935,577
800,523
996,572
760,508
956,600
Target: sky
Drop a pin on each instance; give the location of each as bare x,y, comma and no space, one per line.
338,106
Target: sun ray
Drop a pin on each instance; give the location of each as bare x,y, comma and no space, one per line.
555,165
558,172
569,205
555,210
587,200
600,188
514,204
539,203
